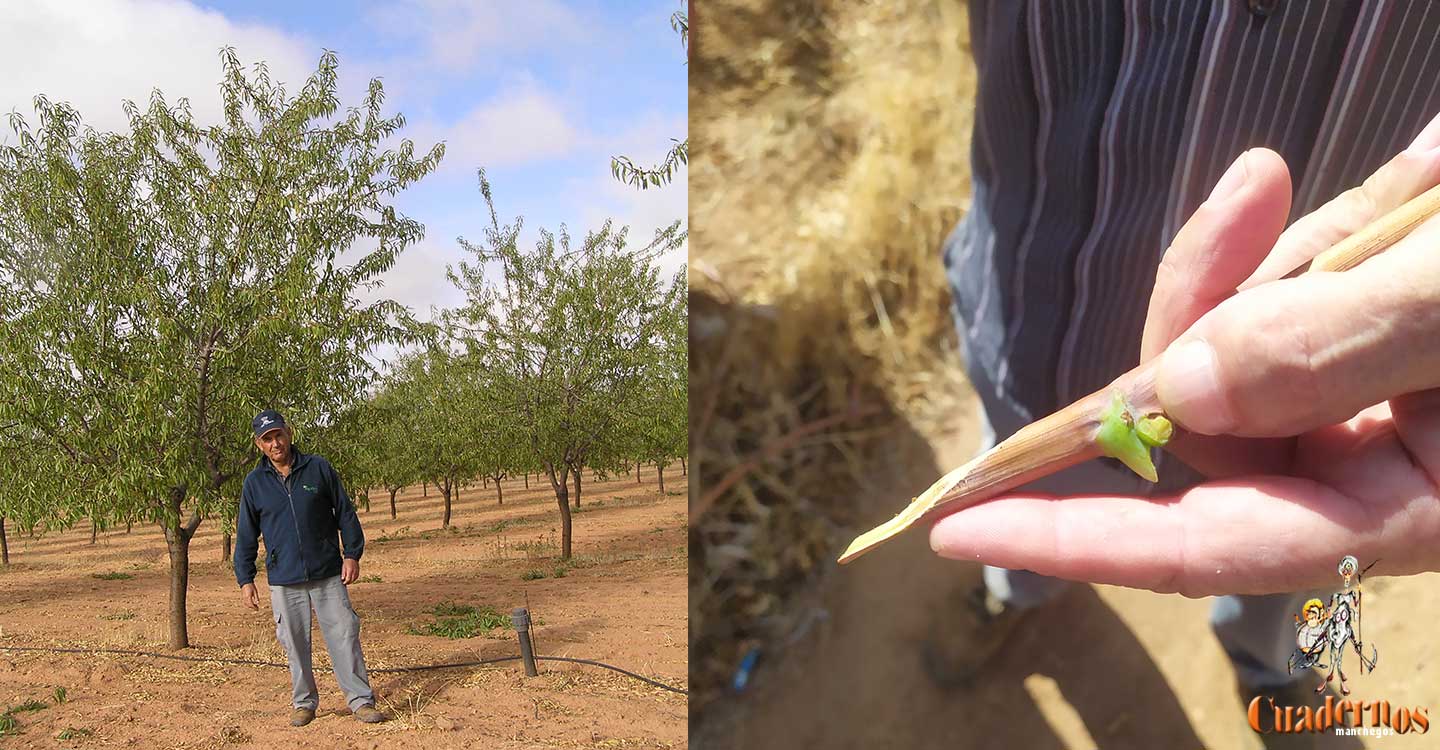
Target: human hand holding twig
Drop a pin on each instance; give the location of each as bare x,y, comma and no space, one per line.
1287,363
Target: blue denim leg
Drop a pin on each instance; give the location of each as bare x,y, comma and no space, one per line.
1258,634
1022,589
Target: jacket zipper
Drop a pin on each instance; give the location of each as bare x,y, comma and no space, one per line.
305,569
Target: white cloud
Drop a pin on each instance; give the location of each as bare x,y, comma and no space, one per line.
418,281
522,123
459,36
95,54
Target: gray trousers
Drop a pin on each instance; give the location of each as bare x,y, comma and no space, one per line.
1256,632
340,626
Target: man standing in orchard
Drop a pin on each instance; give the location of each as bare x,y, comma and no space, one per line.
295,500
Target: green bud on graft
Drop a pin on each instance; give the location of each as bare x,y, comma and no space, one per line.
1154,430
1119,437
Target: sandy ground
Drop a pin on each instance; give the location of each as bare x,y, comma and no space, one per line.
622,603
1102,667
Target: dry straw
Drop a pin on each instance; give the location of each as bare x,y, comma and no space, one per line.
830,160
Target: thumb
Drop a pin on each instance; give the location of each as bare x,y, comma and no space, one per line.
1292,355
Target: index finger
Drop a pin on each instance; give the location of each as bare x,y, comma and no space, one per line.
1261,535
1218,247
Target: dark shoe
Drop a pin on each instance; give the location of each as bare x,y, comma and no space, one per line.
968,638
301,716
368,714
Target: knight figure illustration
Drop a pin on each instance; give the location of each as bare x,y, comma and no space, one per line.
1336,626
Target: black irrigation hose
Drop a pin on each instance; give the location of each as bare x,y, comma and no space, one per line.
607,666
387,670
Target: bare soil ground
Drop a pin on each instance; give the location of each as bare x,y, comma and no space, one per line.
621,601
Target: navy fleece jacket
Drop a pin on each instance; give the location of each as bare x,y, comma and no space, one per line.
300,517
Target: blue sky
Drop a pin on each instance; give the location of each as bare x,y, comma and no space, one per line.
541,93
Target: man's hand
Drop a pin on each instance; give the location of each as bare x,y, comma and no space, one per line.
250,596
349,571
1288,362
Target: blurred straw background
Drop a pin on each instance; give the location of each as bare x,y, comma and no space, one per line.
830,159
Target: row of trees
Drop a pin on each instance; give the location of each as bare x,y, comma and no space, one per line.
451,416
159,287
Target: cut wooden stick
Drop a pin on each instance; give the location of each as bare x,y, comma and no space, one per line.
1379,235
1122,420
1070,436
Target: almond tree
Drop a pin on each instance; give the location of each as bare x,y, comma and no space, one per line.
395,465
661,415
26,464
564,333
500,443
350,442
165,284
437,400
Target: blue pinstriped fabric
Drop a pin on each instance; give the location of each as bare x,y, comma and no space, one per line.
1101,125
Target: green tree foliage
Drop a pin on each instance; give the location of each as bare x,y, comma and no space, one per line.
501,449
438,400
392,450
660,418
630,173
161,286
349,442
564,332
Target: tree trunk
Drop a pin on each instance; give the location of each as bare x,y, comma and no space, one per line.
94,530
577,488
424,489
499,492
128,525
4,543
445,490
225,548
392,502
683,470
637,472
527,480
177,542
562,489
179,550
660,472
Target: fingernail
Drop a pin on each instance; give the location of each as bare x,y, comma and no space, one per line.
1188,386
1428,139
1231,181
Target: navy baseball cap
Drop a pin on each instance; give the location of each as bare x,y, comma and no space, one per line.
266,421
